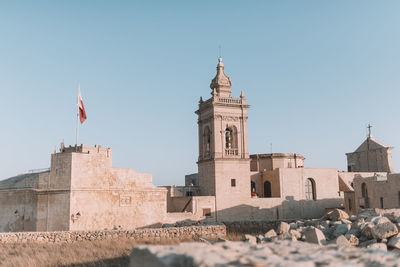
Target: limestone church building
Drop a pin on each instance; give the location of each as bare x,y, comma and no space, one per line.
83,191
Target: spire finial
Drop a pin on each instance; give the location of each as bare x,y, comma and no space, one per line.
369,130
220,63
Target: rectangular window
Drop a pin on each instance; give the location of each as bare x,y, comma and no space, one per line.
381,202
207,212
350,207
233,182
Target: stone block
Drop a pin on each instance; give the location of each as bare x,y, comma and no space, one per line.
378,246
316,236
342,241
270,233
249,239
283,227
394,242
341,229
384,230
337,215
352,239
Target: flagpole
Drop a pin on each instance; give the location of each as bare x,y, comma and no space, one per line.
77,128
77,115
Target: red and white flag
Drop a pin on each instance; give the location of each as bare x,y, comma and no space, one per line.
81,108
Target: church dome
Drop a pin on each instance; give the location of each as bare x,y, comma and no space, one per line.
221,83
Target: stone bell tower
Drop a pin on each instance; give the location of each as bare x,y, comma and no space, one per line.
223,164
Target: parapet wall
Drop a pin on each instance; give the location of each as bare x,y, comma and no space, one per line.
189,233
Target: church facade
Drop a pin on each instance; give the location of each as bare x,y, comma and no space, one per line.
83,191
255,187
379,189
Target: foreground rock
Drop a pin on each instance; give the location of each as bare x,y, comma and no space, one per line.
314,235
373,228
384,230
337,215
283,228
280,253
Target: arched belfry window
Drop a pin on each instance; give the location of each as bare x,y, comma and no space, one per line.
207,140
228,138
231,148
231,137
310,189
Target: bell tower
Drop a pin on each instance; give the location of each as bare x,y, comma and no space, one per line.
223,163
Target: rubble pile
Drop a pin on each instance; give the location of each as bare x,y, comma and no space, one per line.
337,239
369,229
278,253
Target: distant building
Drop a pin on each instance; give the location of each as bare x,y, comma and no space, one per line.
370,156
373,186
377,191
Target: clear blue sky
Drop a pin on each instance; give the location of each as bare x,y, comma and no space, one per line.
315,73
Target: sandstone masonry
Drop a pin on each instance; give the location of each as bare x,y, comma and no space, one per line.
189,233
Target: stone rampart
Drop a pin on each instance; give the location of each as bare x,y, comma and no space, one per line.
188,233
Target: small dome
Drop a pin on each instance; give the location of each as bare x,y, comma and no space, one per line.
221,82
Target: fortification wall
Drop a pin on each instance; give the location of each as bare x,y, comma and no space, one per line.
190,233
18,210
100,209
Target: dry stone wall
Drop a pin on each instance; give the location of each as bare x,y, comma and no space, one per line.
252,227
188,233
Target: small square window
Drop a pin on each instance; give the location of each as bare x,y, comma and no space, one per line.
233,182
207,212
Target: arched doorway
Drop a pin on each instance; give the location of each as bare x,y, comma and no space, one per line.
310,189
267,189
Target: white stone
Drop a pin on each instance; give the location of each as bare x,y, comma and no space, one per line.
270,233
249,238
378,246
341,241
283,227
